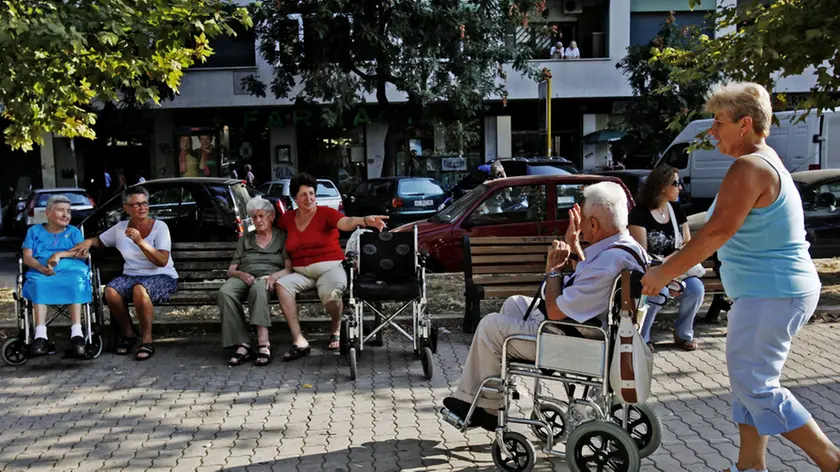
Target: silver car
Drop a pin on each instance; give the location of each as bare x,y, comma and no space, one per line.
326,194
81,205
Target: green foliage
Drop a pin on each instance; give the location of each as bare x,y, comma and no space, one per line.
60,59
661,108
446,56
766,44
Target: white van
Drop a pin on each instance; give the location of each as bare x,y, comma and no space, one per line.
807,145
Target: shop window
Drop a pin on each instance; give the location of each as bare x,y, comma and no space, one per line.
197,153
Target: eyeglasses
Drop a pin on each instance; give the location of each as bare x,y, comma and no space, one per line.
677,183
137,205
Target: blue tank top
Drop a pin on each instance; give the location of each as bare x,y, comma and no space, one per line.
768,256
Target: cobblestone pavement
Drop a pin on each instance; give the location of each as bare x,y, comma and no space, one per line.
186,410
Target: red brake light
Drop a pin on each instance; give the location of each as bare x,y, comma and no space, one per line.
814,167
240,230
397,202
341,207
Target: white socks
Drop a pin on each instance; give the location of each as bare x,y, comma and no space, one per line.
41,331
75,330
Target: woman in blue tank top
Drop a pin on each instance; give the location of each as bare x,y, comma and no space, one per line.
756,225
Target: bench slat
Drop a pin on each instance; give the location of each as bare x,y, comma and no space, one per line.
507,291
207,286
512,240
201,265
484,250
186,255
495,259
510,269
230,245
520,279
202,274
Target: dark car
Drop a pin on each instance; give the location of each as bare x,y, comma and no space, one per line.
820,192
195,209
514,167
514,206
633,179
402,199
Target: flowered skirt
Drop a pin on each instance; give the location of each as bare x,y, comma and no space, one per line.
159,287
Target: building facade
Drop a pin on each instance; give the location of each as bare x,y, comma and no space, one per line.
214,127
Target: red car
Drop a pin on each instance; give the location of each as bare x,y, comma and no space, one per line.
516,206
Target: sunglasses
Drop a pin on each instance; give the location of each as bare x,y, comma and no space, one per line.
677,183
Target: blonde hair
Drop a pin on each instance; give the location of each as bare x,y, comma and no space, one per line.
740,99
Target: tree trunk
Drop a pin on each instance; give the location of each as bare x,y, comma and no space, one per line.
394,139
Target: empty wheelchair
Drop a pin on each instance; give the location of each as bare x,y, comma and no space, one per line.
387,268
598,431
16,350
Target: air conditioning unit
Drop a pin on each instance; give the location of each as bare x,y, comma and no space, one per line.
571,7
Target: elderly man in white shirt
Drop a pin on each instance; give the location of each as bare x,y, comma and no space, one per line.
581,297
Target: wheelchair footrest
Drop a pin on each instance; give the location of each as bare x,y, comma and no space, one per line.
451,418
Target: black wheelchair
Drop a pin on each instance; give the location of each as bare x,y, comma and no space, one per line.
597,430
15,350
387,268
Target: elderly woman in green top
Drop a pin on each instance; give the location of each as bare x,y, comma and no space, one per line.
260,259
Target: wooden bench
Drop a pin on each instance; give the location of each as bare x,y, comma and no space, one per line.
499,267
202,269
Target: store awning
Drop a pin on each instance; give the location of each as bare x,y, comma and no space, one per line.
603,136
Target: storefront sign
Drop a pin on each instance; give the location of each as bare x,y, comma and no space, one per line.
453,163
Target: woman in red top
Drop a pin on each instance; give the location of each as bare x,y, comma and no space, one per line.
312,243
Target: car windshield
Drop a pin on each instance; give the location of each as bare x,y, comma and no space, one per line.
461,206
75,198
546,170
326,190
409,187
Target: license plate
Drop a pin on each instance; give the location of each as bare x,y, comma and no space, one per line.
423,203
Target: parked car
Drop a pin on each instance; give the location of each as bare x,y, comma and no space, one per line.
633,179
403,199
326,194
820,193
195,209
514,206
35,206
514,167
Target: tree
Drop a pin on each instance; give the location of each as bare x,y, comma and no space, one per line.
767,43
63,59
446,56
661,109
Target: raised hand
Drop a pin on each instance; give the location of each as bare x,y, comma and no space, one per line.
558,255
573,231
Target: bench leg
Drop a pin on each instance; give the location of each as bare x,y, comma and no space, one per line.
719,303
472,314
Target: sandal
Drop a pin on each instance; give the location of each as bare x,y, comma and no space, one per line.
296,352
263,358
334,342
239,358
146,348
124,345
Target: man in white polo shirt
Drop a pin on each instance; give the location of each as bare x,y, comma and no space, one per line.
580,297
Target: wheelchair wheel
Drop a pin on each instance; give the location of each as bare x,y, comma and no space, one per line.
643,424
428,362
351,356
555,413
523,456
14,351
95,346
343,338
599,445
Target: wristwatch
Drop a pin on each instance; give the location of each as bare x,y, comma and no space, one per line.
553,274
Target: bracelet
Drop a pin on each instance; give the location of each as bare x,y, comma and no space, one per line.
364,220
553,275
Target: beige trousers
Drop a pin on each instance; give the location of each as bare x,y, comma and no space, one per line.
485,357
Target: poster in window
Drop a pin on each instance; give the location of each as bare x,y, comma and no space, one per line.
197,154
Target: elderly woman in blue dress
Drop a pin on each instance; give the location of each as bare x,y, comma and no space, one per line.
55,276
757,227
149,275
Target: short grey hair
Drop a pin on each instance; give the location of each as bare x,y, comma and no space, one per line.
259,203
607,202
129,192
55,200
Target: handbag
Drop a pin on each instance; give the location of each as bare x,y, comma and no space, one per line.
697,270
631,369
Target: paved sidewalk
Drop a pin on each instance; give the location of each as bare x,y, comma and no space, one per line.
186,410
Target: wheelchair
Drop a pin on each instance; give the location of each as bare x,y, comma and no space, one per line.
15,350
599,431
387,268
